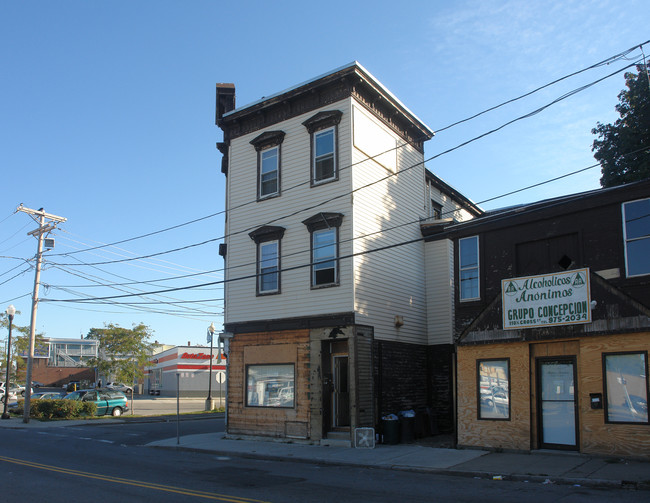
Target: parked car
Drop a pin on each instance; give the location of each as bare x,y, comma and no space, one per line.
108,401
119,386
48,395
12,396
18,389
36,384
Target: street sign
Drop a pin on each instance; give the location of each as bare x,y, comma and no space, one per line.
220,377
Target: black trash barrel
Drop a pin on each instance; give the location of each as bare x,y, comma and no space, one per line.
407,427
391,431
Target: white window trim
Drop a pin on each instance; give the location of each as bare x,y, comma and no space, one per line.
335,259
461,269
259,267
334,160
277,172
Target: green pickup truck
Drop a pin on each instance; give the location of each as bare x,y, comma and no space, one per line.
108,401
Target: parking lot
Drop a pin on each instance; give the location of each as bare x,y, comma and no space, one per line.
147,405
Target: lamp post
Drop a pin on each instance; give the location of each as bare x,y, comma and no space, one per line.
11,310
209,403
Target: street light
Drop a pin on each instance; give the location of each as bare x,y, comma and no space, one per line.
11,310
209,405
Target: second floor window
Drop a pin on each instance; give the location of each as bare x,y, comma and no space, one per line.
468,268
269,261
324,229
324,255
268,239
636,216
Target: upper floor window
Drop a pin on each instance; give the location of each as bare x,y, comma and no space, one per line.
269,171
324,156
468,268
268,163
268,239
436,210
323,128
324,228
636,227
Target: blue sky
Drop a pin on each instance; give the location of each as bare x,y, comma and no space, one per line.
107,119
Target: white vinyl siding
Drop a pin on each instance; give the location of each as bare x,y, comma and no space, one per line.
296,298
389,283
439,272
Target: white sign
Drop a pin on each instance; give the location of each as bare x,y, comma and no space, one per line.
220,377
547,300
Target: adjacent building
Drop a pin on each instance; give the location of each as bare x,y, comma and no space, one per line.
552,323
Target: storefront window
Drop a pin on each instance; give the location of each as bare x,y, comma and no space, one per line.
270,385
494,389
626,387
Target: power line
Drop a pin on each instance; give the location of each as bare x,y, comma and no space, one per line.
492,131
606,61
344,257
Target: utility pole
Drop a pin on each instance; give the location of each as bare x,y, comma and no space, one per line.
44,228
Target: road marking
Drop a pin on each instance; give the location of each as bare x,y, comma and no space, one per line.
130,482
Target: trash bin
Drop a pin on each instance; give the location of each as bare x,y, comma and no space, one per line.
390,427
407,426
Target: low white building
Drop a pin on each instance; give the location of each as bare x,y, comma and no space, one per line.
186,369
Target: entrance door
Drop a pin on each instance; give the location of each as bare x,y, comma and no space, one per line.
340,392
557,407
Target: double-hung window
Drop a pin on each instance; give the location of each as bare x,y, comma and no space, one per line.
324,229
269,171
636,226
269,267
324,255
324,156
468,268
268,150
323,128
268,239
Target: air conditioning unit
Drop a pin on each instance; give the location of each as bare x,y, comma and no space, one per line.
364,438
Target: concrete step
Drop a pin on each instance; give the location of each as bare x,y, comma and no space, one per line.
337,439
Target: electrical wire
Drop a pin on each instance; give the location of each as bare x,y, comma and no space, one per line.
606,61
277,219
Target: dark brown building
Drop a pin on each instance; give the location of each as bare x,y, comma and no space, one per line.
552,324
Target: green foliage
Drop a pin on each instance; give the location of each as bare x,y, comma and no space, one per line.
123,352
58,409
631,133
20,336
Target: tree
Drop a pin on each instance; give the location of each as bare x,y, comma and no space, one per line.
623,148
19,346
123,352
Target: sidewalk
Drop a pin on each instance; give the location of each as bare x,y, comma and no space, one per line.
540,467
543,467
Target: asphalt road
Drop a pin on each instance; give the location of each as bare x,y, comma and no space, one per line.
111,462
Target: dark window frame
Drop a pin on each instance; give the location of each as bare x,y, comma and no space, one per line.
627,241
478,389
478,270
262,236
263,143
318,123
319,222
262,406
605,387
